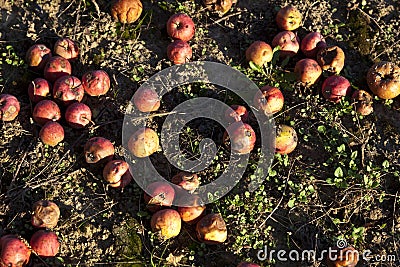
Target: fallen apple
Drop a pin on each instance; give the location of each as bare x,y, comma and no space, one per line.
345,257
166,223
39,89
14,251
37,56
117,174
96,82
193,209
143,142
221,6
158,194
186,180
52,133
241,136
68,89
98,149
180,27
78,115
56,67
331,59
46,110
363,102
66,48
179,52
45,243
248,264
9,107
146,99
311,43
335,88
259,52
269,99
211,229
126,11
45,214
307,71
288,18
383,79
288,42
236,113
286,139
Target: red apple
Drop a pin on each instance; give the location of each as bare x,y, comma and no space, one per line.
259,52
46,110
45,214
179,52
166,223
311,43
39,89
211,229
14,251
159,194
269,99
117,174
144,142
186,180
180,27
288,42
9,107
307,71
335,88
66,48
37,56
236,113
68,89
146,99
286,139
45,243
78,115
242,137
52,133
57,67
96,82
288,18
98,149
248,264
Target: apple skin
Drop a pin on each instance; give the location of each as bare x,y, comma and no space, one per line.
45,214
39,89
269,99
236,113
68,89
143,142
363,102
78,115
179,52
289,43
307,71
242,137
96,82
311,43
46,110
247,264
286,139
166,223
180,27
57,67
259,52
288,18
9,107
37,56
335,88
66,48
158,194
146,99
211,229
52,133
117,174
45,243
98,149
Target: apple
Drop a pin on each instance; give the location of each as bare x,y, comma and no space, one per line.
335,88
288,18
96,82
383,79
363,102
179,52
236,113
158,194
180,27
146,99
57,67
221,6
66,48
45,214
259,52
193,209
78,115
331,59
166,223
342,257
286,139
98,149
52,133
211,229
37,56
307,71
39,89
14,251
248,264
269,99
126,11
241,136
45,243
46,110
288,42
143,142
186,180
311,43
117,174
9,107
68,89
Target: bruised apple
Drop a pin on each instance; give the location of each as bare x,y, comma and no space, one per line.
117,174
331,59
236,113
143,142
45,214
37,56
158,194
269,99
45,243
186,180
39,89
241,136
307,71
96,82
9,107
192,210
211,229
66,48
166,223
98,149
146,99
248,264
288,18
179,52
363,102
311,43
383,79
14,251
68,89
52,133
345,257
286,139
259,52
57,67
78,115
335,88
288,42
46,110
126,11
180,27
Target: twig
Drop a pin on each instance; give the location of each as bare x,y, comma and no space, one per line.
224,18
96,7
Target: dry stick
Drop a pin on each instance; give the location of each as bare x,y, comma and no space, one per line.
393,227
224,18
62,12
96,7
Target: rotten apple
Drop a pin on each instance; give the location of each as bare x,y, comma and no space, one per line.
57,67
37,56
78,115
9,107
383,79
98,149
192,210
146,99
259,52
248,264
39,89
96,82
45,214
126,11
241,136
45,243
66,48
286,139
180,27
236,113
186,180
345,257
331,59
143,142
179,52
46,110
269,99
158,194
117,174
166,223
52,133
221,6
68,89
288,42
14,251
211,229
363,102
288,18
307,71
311,43
335,88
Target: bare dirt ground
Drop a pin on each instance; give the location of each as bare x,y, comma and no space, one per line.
305,203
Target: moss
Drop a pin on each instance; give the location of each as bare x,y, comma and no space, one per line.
359,25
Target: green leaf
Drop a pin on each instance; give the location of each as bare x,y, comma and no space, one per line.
338,172
254,66
321,129
291,202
